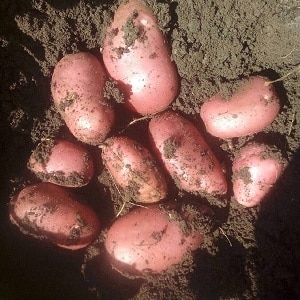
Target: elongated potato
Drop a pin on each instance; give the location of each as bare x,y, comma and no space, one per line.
147,240
136,55
253,107
186,155
62,162
77,89
134,168
47,211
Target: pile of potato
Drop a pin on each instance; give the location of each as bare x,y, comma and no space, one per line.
146,239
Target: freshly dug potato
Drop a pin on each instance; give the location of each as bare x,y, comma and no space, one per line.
146,240
62,162
252,107
77,89
134,168
50,212
256,168
186,155
136,55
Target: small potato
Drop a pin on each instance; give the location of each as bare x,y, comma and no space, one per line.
47,211
146,240
77,89
256,169
253,107
62,162
134,168
186,155
137,57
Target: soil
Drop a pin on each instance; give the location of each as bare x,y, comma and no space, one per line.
251,253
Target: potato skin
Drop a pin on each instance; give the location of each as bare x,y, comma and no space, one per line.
47,211
77,89
252,108
256,168
147,240
65,164
140,62
134,168
186,155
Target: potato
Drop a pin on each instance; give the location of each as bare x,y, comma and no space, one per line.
77,89
147,240
136,55
256,168
186,155
50,212
134,168
62,162
252,107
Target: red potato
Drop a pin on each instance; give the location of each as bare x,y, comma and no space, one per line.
134,168
136,55
147,240
186,155
47,211
77,89
253,107
62,162
256,168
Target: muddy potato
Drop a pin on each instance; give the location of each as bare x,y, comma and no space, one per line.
251,108
186,155
50,212
62,162
77,89
137,57
256,168
134,168
148,240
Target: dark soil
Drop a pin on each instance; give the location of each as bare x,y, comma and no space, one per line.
252,253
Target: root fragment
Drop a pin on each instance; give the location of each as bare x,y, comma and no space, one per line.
297,69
